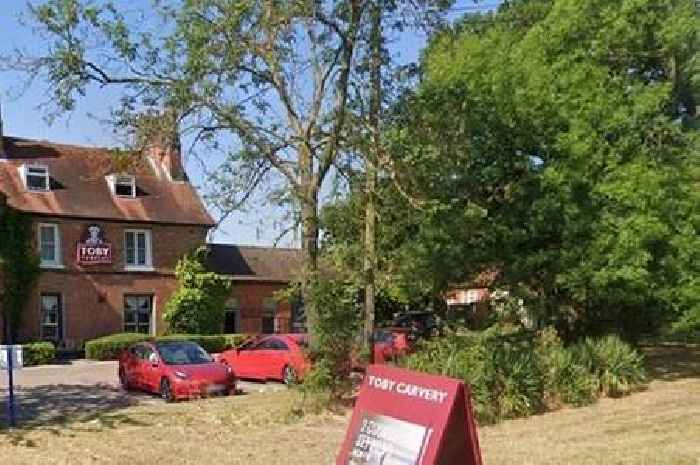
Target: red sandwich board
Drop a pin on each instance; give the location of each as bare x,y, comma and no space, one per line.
407,418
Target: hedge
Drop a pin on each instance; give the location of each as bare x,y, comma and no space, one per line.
111,347
38,353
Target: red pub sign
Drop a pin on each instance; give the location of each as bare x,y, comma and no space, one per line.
407,418
93,249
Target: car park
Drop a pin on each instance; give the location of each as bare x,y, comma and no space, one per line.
175,370
280,357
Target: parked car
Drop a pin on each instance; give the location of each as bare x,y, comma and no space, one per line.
421,324
391,343
175,370
278,357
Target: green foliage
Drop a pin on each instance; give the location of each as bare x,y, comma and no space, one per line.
38,353
338,326
514,373
618,368
198,305
556,141
19,265
111,347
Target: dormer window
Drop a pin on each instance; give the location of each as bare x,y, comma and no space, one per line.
123,185
36,178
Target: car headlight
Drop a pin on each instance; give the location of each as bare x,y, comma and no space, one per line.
181,375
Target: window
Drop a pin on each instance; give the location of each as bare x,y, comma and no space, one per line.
137,313
49,245
36,178
268,316
125,186
51,317
137,249
232,319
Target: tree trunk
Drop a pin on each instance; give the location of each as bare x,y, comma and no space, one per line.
372,158
309,240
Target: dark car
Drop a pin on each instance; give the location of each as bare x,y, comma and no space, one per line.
420,324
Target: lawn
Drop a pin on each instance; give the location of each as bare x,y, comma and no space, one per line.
657,426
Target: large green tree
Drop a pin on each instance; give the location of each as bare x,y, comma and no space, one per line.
556,140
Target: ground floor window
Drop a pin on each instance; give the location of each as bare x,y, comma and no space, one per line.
232,318
268,316
138,310
51,317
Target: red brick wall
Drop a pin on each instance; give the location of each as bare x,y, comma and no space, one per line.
251,296
93,296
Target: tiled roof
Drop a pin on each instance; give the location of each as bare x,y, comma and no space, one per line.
255,263
79,187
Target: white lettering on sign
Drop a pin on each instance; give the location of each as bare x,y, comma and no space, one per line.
407,389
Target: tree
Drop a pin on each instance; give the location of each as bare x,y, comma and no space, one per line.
19,267
198,306
556,142
268,78
573,130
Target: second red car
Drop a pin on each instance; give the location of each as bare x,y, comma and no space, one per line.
279,357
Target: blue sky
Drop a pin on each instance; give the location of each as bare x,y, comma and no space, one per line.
22,117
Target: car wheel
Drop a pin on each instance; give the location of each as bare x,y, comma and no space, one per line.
289,376
166,391
124,380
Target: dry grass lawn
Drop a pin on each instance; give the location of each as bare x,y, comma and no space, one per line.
658,426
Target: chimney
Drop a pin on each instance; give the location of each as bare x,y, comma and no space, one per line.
160,139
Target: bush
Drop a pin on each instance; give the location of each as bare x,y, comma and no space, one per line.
515,373
336,329
197,307
38,353
111,347
618,368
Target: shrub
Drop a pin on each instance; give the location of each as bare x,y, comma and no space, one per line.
618,368
111,347
336,329
198,305
566,379
516,373
38,353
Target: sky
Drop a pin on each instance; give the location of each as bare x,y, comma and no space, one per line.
23,117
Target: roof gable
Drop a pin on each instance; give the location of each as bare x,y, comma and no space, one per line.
79,187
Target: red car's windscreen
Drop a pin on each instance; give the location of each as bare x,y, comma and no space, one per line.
182,353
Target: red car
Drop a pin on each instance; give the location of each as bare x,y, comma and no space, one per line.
278,357
175,370
389,344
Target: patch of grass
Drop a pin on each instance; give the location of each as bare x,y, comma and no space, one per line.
655,427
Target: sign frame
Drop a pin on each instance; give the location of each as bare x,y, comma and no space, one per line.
395,406
93,249
17,357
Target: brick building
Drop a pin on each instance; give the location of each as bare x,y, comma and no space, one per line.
108,234
258,274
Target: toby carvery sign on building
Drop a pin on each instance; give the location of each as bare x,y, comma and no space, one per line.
93,249
407,418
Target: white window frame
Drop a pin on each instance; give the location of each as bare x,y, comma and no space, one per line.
57,262
60,322
115,180
151,315
148,266
46,175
